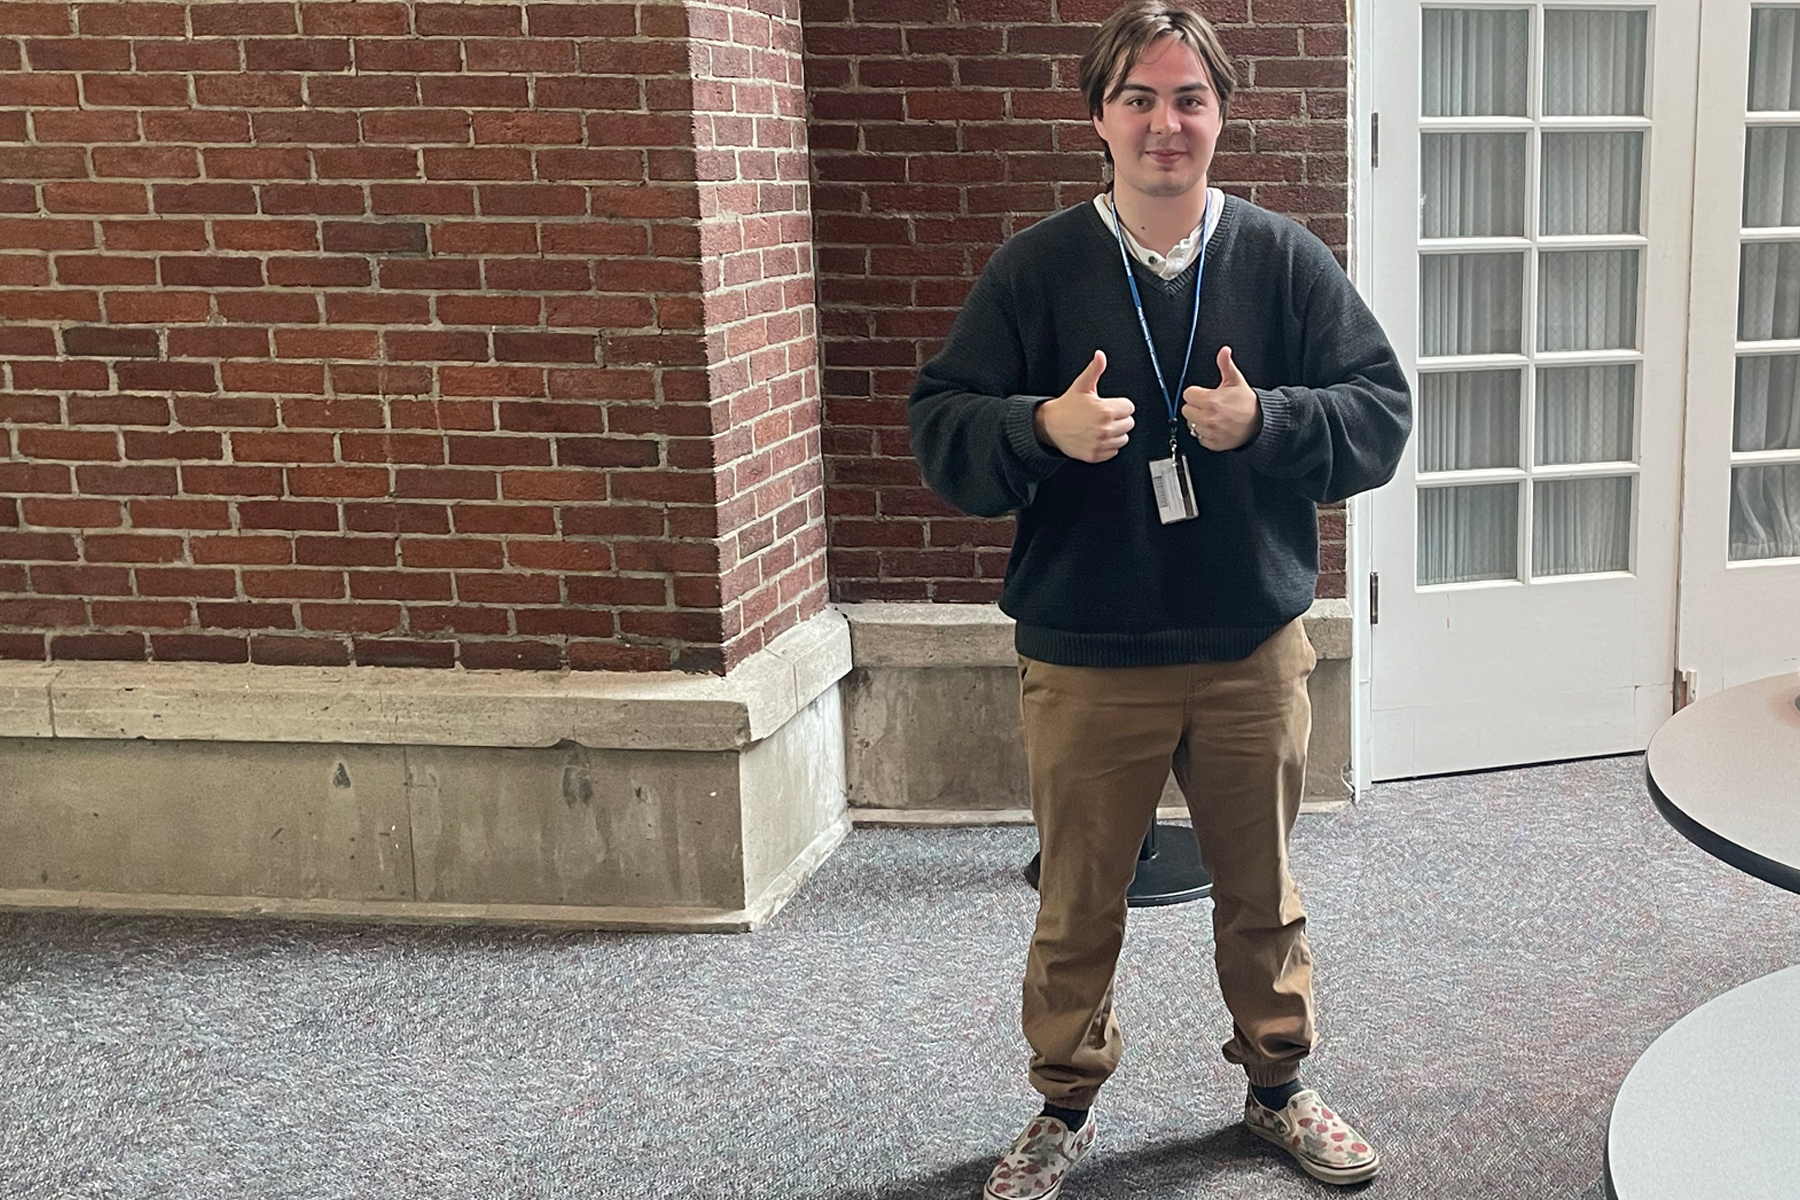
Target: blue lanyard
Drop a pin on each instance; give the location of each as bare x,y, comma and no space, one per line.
1170,398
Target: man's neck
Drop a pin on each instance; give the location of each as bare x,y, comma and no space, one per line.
1158,222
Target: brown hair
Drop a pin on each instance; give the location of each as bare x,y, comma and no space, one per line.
1123,37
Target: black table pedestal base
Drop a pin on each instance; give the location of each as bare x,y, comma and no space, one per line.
1168,869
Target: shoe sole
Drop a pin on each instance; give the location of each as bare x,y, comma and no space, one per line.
1338,1175
1052,1194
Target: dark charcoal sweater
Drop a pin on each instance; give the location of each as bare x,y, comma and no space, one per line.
1095,579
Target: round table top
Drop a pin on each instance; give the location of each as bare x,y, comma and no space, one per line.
1700,1113
1725,771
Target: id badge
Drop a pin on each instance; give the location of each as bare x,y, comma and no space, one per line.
1174,490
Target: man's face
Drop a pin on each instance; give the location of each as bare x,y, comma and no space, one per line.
1163,126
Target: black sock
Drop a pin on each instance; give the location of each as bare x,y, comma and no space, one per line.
1074,1118
1275,1098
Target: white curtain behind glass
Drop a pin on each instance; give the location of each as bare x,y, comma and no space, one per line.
1594,62
1474,184
1468,420
1472,303
1585,414
1766,416
1468,533
1581,525
1774,45
1589,300
1765,499
1593,182
1477,63
1772,177
1765,512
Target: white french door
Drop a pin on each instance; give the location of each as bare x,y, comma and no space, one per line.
1740,538
1586,247
1532,208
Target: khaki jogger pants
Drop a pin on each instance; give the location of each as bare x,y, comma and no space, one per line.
1100,742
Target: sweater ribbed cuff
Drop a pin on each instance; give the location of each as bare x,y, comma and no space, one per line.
1266,449
1021,434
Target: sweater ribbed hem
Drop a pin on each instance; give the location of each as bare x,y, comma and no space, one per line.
1165,648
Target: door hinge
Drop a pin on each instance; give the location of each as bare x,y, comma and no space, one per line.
1684,689
1375,139
1374,597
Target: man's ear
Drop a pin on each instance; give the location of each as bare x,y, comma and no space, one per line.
1104,147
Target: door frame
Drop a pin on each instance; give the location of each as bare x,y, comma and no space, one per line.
1359,533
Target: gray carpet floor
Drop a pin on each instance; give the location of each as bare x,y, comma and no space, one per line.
1494,952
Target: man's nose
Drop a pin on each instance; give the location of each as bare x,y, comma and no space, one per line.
1162,116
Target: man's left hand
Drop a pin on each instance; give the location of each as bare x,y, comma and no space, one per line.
1225,417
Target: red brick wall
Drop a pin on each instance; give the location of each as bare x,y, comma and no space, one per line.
940,127
482,333
378,332
756,241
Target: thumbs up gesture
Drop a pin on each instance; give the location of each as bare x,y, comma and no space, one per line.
1081,422
1225,417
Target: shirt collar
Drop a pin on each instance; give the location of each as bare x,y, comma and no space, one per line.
1182,254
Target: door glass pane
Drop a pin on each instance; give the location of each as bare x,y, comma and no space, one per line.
1774,43
1474,184
1468,420
1765,512
1477,63
1589,300
1586,414
1581,526
1471,303
1468,533
1593,182
1594,62
1772,177
1767,411
1769,291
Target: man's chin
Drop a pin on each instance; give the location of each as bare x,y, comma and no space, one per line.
1166,186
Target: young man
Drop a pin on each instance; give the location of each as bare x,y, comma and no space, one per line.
1164,384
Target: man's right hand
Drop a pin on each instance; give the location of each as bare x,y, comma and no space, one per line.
1082,423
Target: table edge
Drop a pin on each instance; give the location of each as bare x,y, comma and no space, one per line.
1722,848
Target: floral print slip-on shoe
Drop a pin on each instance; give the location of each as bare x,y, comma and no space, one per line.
1039,1161
1321,1141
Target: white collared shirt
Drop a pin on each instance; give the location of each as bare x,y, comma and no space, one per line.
1182,254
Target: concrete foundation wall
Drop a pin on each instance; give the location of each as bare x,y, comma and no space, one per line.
206,819
654,802
638,833
932,714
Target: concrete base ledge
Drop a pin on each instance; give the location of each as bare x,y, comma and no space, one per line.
608,801
901,634
393,706
931,713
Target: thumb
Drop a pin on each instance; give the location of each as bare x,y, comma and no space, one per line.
1089,379
1228,372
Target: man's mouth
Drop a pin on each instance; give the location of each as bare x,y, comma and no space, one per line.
1167,156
